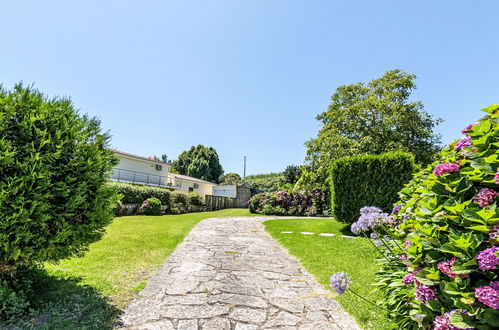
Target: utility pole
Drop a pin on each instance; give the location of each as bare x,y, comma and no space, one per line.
244,172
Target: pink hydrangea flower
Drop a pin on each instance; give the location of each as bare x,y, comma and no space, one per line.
468,128
494,232
443,322
425,292
464,142
485,197
488,259
445,168
411,277
446,268
489,295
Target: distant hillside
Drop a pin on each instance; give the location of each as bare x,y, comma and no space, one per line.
267,182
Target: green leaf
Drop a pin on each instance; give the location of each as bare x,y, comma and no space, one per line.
491,317
462,320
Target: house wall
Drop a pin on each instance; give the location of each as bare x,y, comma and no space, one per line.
140,171
203,190
141,166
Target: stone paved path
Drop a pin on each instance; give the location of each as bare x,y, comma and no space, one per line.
230,274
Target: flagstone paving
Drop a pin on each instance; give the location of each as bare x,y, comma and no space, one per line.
229,273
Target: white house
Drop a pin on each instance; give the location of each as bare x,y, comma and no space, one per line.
141,170
187,184
148,171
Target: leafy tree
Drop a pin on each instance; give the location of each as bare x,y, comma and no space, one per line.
231,179
163,158
374,118
200,162
292,173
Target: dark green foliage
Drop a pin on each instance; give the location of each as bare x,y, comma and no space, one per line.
368,180
199,162
54,164
373,118
444,218
180,203
269,182
230,179
151,206
290,202
135,194
291,174
195,199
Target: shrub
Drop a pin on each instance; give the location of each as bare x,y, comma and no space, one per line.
442,267
180,203
195,199
54,164
151,206
290,202
265,182
135,194
368,180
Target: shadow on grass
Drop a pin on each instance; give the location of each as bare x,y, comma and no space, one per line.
346,230
60,302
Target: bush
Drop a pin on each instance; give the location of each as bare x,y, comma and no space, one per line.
135,194
445,238
54,164
290,202
195,199
180,203
260,183
368,180
151,206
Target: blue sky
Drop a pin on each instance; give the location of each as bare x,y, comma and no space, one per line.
246,77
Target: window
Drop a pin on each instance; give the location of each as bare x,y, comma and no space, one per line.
191,189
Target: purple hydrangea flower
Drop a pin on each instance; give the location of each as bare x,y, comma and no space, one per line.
339,282
406,244
403,257
468,128
443,322
411,277
485,197
464,142
489,295
370,217
396,208
445,168
446,268
488,259
425,292
494,232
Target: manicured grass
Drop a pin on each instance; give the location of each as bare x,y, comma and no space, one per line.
88,292
324,256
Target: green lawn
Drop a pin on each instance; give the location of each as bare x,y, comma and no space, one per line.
88,292
324,256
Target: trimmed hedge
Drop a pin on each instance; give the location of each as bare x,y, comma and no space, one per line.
368,180
54,165
135,194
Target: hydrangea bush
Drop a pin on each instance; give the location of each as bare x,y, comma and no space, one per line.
151,206
290,202
440,244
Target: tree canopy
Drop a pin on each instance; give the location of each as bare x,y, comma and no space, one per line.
199,162
374,118
291,174
231,179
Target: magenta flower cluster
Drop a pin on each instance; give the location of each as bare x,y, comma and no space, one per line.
485,197
425,292
464,142
494,232
340,282
446,268
443,322
445,168
468,128
411,277
489,295
488,259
